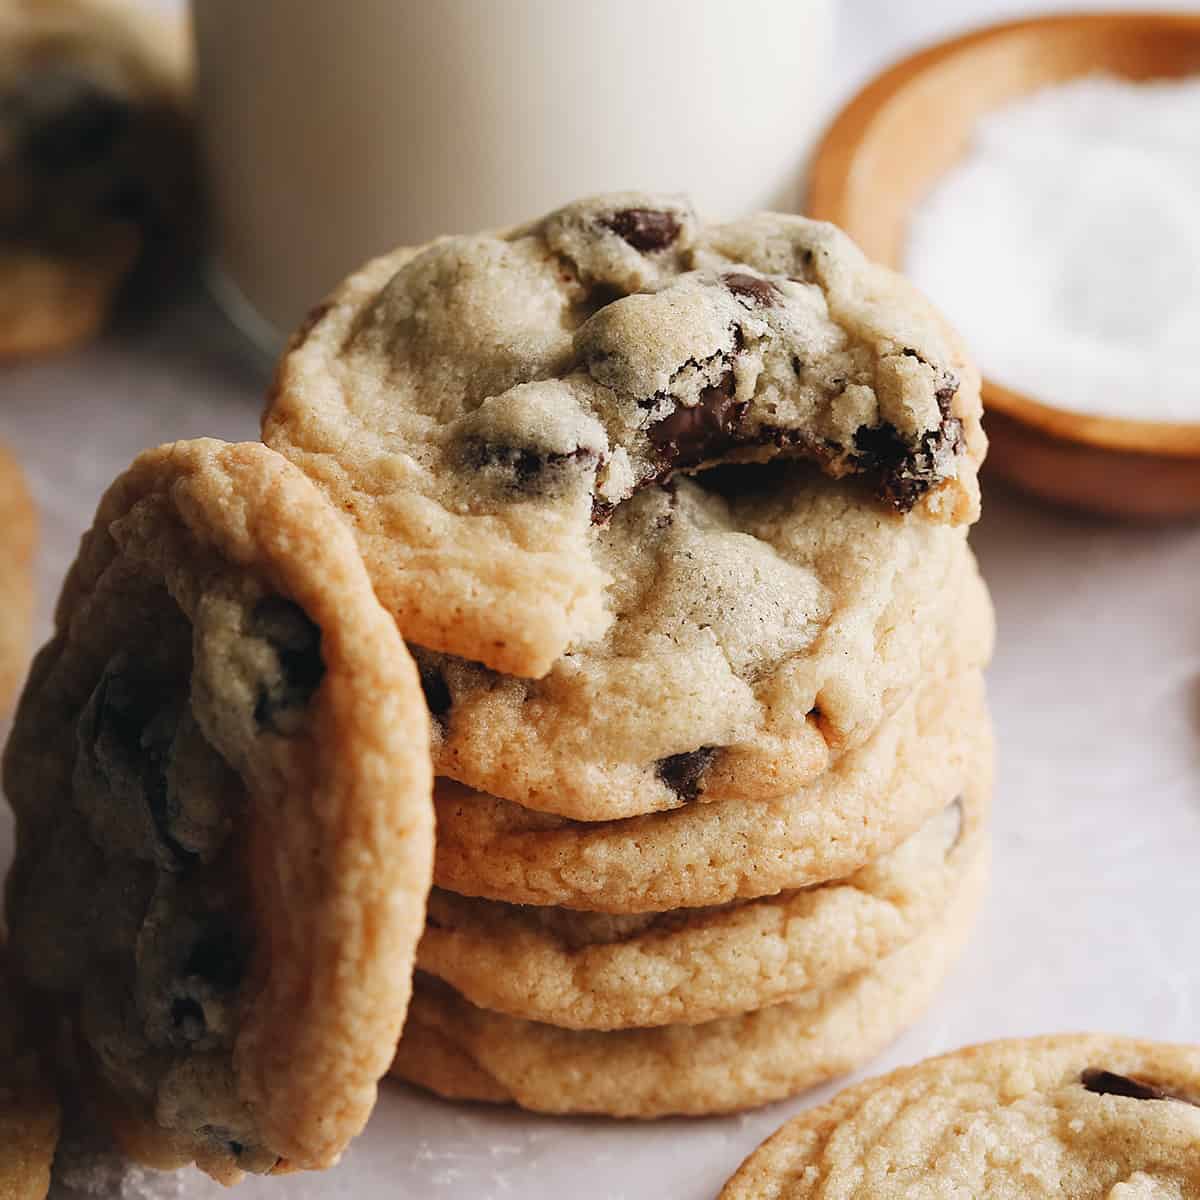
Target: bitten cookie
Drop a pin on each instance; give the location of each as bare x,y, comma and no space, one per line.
467,1053
221,779
29,1110
582,970
18,523
481,406
97,172
1078,1117
874,798
759,632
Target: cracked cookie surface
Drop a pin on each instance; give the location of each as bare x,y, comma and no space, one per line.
18,520
464,1052
763,626
482,406
705,854
1081,1117
581,970
220,774
97,179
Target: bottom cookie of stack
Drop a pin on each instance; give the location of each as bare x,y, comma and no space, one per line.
707,1009
467,1053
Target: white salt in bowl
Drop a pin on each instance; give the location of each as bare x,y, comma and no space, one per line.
900,134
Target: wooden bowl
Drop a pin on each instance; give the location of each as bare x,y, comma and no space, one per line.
893,140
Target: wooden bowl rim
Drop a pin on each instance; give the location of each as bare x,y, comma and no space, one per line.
834,162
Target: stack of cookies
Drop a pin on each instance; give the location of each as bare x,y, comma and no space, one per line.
673,517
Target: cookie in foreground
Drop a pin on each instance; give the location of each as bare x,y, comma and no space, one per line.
19,524
480,407
96,162
1073,1117
221,780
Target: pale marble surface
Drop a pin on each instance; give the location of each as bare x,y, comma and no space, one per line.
1091,921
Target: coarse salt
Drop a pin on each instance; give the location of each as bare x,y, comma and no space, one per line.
1066,247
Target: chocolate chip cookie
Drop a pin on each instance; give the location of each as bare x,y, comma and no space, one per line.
97,175
581,970
1069,1118
29,1110
759,632
464,1052
221,779
705,854
482,407
19,525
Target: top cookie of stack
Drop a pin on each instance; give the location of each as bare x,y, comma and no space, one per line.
699,491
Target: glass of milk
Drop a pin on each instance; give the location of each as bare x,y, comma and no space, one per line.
334,132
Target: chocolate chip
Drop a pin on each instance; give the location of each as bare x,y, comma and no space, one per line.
139,714
683,773
188,1018
904,475
437,691
759,291
1109,1083
217,957
236,1148
689,435
527,470
645,229
602,510
296,641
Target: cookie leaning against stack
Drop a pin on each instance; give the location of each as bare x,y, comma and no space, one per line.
674,517
220,775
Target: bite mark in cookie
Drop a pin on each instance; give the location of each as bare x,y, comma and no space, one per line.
505,394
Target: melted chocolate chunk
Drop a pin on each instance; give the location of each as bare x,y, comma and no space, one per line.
689,436
602,510
437,692
127,706
1109,1083
528,471
297,644
217,957
759,291
684,773
903,476
645,229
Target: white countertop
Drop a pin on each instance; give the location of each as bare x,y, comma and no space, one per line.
1091,923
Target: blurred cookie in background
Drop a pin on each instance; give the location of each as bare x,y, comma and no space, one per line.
98,177
18,536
